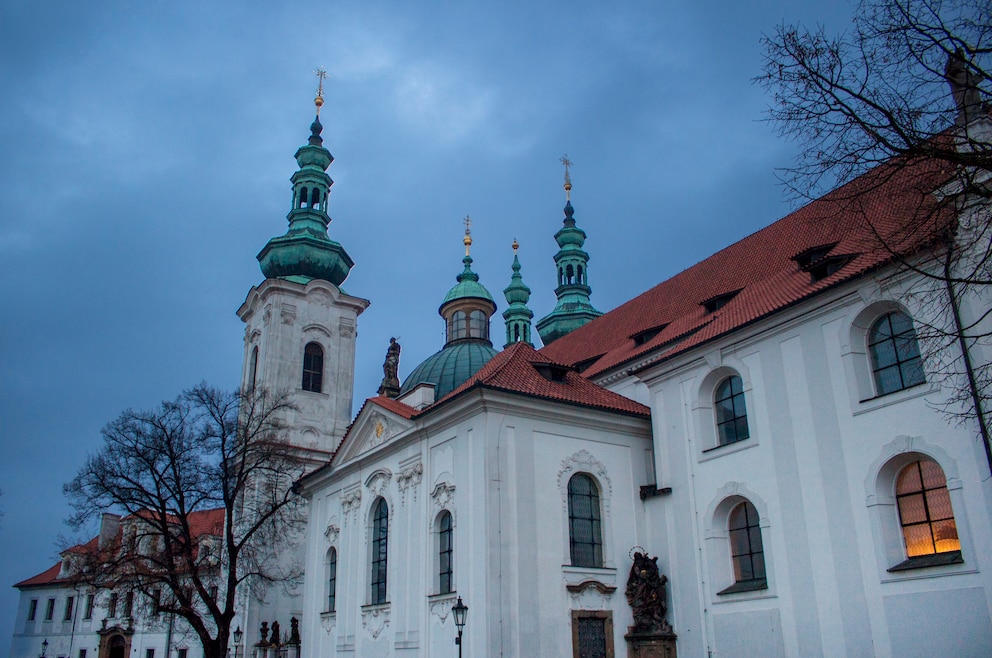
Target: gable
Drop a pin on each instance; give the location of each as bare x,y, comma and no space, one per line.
374,427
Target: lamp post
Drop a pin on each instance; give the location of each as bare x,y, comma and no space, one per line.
459,610
238,634
44,647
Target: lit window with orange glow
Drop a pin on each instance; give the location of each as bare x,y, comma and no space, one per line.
925,510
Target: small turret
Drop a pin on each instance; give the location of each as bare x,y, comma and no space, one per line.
517,316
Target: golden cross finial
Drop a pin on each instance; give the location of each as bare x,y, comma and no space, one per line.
468,233
321,76
568,180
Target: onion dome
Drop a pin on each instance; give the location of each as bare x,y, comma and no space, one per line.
466,309
306,252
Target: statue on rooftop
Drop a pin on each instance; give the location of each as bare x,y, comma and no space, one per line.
390,386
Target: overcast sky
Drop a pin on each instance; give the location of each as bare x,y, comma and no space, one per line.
147,150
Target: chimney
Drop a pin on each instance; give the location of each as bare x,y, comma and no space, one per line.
110,525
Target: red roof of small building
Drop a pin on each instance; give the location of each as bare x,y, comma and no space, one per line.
202,523
894,201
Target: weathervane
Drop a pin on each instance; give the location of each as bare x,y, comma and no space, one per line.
568,180
321,76
468,233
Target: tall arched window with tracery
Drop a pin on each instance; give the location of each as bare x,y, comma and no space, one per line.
895,353
925,513
445,553
585,528
380,544
731,412
332,578
313,367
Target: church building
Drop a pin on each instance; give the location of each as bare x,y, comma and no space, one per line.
747,459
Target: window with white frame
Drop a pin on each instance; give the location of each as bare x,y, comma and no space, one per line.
445,553
332,578
585,531
380,544
929,531
747,552
894,353
731,411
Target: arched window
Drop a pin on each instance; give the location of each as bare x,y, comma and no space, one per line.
253,367
313,367
746,551
445,552
458,328
477,325
332,577
303,198
579,279
895,354
315,198
925,510
585,531
569,274
731,414
380,541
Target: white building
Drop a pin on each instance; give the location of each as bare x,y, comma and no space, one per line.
762,423
789,467
61,615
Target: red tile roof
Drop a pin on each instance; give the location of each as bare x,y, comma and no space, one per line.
516,370
202,523
389,404
895,200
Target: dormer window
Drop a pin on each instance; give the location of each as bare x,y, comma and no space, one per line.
583,365
552,371
809,256
647,335
718,301
824,267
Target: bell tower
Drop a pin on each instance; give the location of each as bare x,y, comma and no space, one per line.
300,326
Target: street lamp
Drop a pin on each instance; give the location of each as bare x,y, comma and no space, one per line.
459,610
238,634
44,646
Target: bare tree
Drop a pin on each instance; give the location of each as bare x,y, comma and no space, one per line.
901,101
207,457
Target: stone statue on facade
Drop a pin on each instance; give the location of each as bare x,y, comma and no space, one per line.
651,636
390,386
647,595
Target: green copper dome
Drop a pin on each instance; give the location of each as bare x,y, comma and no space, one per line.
450,368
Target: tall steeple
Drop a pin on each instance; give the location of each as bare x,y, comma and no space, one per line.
573,308
517,316
305,252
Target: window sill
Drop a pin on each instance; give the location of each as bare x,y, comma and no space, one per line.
727,449
577,575
924,561
443,597
745,586
895,397
371,607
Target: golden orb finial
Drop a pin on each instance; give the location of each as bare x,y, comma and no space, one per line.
515,246
321,74
568,180
468,234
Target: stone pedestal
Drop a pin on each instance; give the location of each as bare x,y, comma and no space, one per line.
650,644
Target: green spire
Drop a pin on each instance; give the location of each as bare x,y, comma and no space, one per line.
517,316
573,308
305,252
